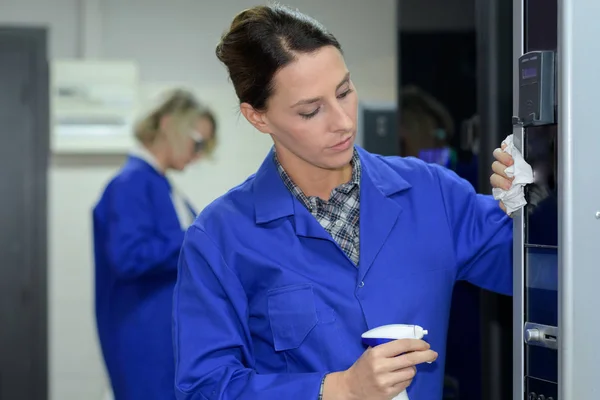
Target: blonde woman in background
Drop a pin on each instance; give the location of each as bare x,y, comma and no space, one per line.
139,224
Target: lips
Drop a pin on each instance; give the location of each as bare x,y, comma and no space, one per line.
342,142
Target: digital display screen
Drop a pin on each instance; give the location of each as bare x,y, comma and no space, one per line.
529,73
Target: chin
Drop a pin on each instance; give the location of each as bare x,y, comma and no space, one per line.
341,159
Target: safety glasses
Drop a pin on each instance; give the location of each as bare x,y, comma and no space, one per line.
199,142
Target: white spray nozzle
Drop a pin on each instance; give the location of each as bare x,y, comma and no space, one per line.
396,331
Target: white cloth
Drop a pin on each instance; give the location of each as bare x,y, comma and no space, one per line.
514,198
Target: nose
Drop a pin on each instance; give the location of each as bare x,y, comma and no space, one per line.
340,121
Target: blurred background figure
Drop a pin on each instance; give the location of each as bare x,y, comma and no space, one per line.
427,132
426,127
467,166
139,225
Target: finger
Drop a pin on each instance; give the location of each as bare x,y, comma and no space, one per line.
401,379
503,146
499,182
503,157
393,383
400,346
502,206
412,359
500,169
406,377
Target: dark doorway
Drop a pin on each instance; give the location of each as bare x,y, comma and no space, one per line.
444,65
469,73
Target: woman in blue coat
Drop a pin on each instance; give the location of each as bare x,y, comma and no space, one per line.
279,277
139,225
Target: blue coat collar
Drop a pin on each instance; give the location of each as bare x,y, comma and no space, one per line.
272,200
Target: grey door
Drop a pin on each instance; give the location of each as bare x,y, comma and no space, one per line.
24,143
378,128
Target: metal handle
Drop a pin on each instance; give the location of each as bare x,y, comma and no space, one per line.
540,335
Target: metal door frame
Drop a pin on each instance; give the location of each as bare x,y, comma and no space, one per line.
518,220
578,199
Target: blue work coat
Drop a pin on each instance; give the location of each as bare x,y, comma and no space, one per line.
137,239
267,303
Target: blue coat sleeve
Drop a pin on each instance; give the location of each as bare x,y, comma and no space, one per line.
214,357
482,234
134,246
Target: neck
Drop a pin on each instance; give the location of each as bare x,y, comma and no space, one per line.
313,180
159,155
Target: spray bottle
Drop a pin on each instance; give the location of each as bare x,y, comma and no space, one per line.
389,333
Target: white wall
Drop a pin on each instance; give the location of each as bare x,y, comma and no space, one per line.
173,42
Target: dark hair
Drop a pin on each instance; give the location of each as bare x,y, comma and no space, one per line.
261,41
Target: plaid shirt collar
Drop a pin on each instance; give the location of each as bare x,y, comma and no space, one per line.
311,202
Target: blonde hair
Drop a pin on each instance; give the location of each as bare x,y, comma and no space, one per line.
182,108
211,143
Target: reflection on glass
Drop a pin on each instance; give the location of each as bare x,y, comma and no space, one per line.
541,21
541,305
541,222
547,387
541,277
441,156
541,363
542,195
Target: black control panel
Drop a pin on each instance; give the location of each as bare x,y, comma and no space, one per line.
535,396
541,390
537,94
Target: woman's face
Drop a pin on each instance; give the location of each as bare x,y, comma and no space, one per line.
206,131
312,112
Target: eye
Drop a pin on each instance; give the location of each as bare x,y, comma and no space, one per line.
310,115
346,93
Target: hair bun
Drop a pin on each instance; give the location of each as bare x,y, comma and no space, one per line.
263,39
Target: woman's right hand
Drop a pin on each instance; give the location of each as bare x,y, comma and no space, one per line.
499,179
381,373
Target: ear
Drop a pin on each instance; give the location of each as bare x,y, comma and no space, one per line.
255,117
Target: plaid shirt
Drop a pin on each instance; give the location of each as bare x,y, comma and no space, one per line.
339,215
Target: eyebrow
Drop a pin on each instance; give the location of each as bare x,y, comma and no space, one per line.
315,99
